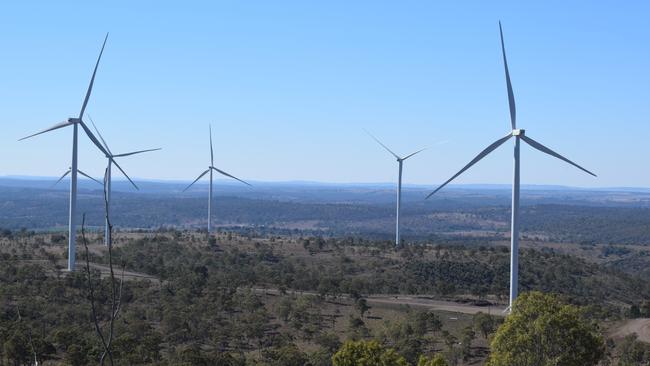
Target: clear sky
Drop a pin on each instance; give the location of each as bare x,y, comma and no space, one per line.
289,87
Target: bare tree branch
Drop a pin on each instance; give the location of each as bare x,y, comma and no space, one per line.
91,291
116,292
29,335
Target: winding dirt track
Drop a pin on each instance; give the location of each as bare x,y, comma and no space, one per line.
435,304
639,326
117,271
410,300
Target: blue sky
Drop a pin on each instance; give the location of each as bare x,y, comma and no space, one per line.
290,86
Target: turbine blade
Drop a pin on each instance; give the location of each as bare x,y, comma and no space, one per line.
199,177
100,135
89,177
94,139
384,146
211,152
546,150
92,80
511,94
123,172
408,156
229,175
60,179
478,157
135,152
55,127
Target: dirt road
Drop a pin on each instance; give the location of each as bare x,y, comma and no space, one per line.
117,271
639,326
435,304
398,300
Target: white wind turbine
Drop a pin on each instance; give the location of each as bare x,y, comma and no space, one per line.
210,170
110,157
519,134
75,123
400,160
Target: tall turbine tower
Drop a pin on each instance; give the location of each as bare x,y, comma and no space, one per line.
210,169
110,157
400,160
519,134
76,122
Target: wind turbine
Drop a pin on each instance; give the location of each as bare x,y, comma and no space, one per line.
75,123
107,177
78,171
519,134
399,184
210,170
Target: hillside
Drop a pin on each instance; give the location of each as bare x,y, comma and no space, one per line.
251,297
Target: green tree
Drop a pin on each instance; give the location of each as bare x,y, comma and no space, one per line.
437,360
367,353
362,306
76,355
632,352
466,342
484,323
288,355
16,349
541,330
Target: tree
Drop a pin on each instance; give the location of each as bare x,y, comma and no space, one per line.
484,324
288,355
466,342
362,306
632,352
541,330
367,353
105,336
437,360
16,349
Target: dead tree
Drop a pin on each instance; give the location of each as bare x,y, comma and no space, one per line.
116,290
29,337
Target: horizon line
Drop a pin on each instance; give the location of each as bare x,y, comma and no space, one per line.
358,184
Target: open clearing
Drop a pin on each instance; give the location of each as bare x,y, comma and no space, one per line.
639,326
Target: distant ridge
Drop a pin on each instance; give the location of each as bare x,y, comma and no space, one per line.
173,185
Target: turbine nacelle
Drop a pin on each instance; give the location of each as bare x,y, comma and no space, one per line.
518,132
73,120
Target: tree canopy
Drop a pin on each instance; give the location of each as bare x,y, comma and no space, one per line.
367,353
542,330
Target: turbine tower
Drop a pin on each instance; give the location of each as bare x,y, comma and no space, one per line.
110,157
210,170
76,122
519,134
399,185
